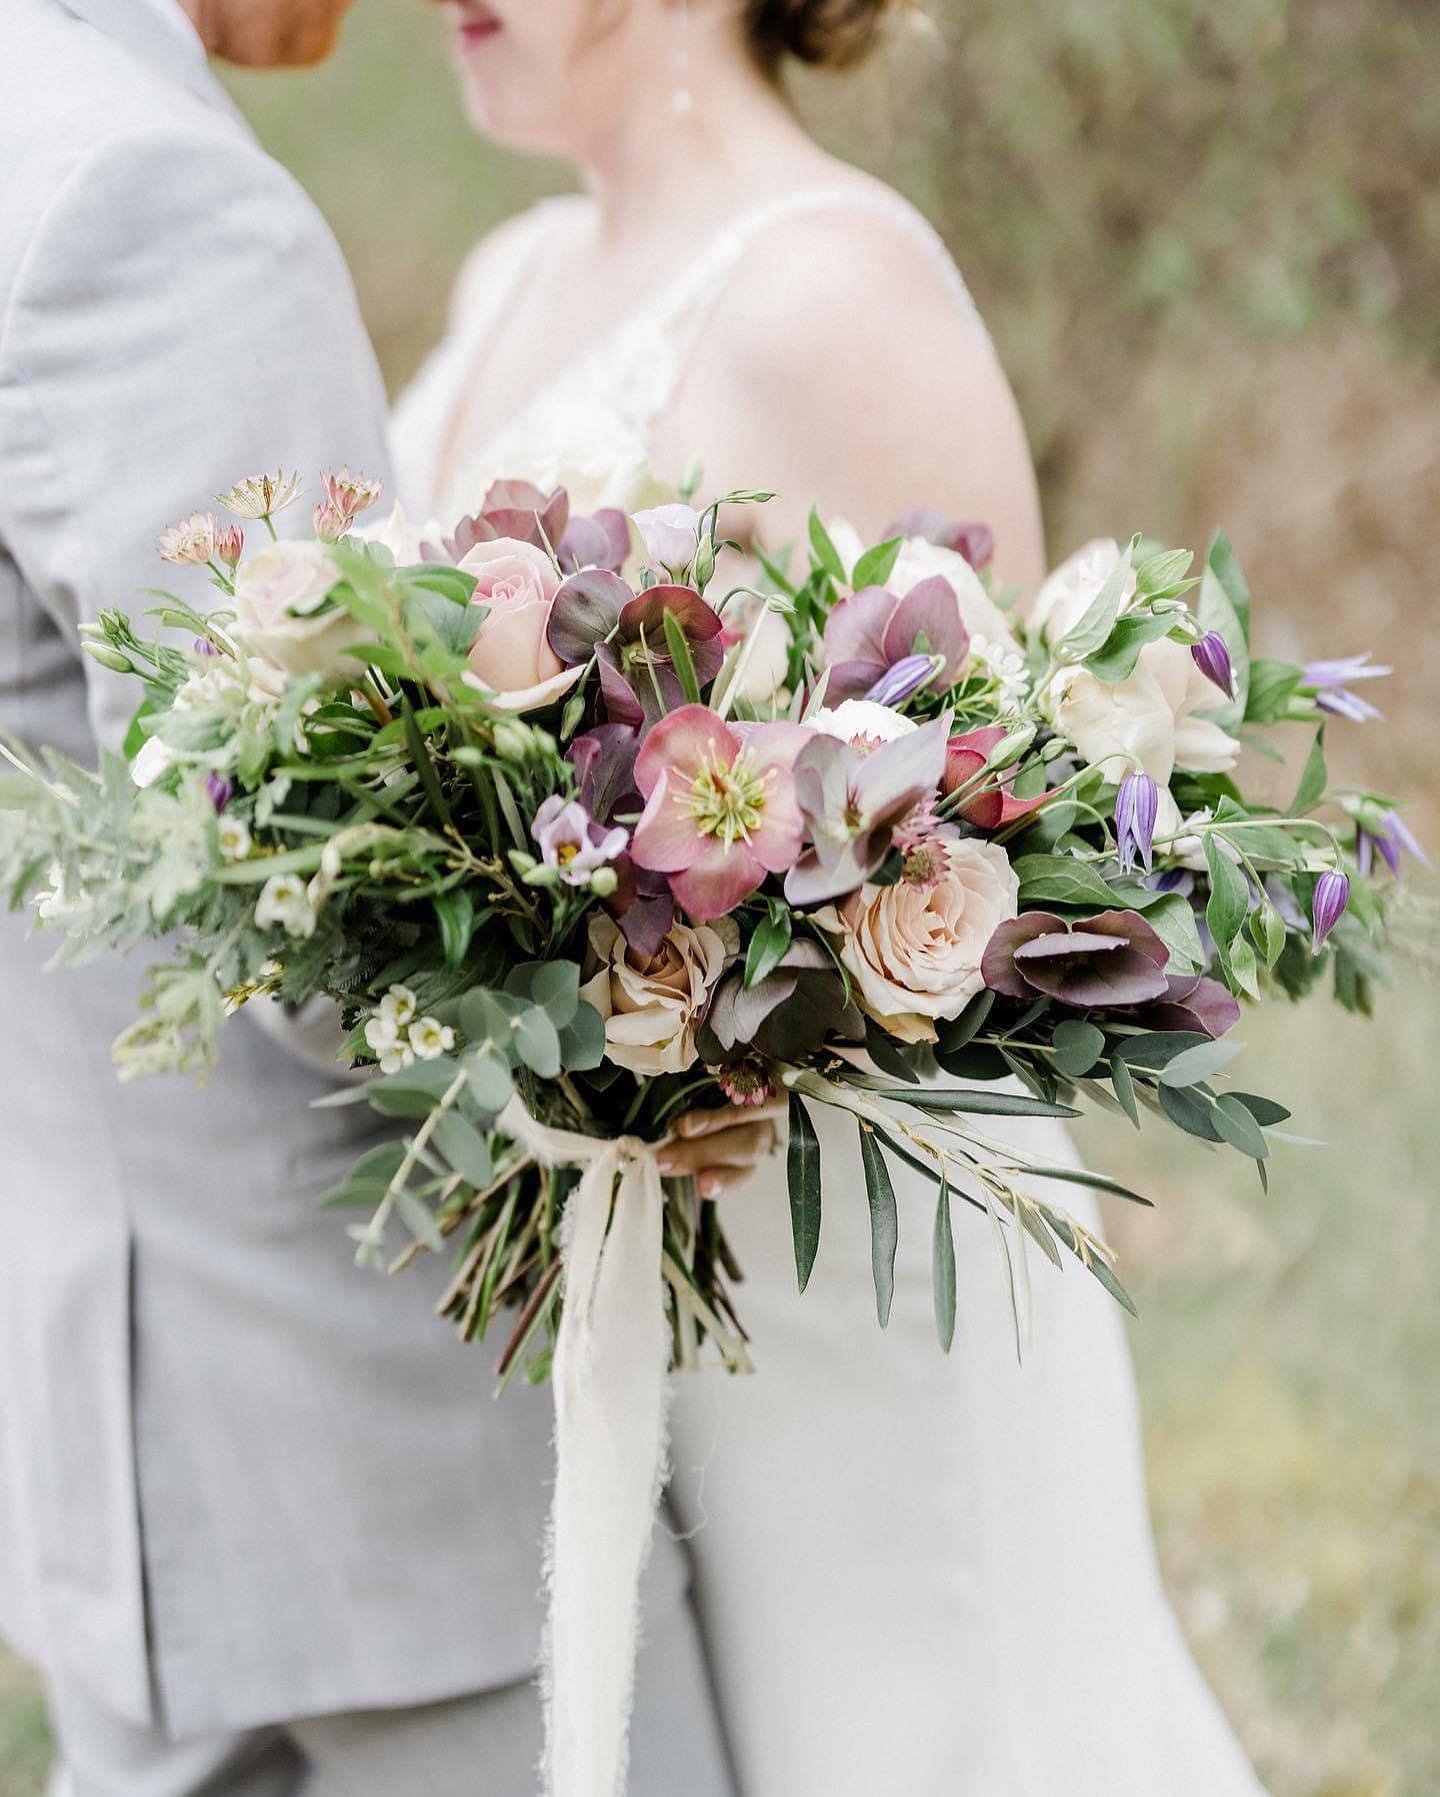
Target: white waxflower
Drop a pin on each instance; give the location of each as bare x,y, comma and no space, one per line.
399,1005
430,1038
382,1035
397,1059
284,901
1005,665
234,835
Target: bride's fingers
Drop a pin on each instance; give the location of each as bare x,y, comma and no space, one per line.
737,1150
728,1117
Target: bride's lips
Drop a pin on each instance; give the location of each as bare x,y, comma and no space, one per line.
475,24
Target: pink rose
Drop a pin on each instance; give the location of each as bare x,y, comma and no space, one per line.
518,582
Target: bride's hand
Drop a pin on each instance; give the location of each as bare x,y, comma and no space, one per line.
722,1148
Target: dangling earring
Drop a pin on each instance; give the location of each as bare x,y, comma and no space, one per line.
681,98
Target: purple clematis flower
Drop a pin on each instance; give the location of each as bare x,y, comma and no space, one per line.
1327,907
905,679
1113,958
572,842
1212,656
867,634
1392,840
1331,682
1137,804
852,803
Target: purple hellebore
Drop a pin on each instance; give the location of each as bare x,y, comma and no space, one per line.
572,842
1332,895
1391,840
1113,958
851,804
1137,804
1331,679
1212,656
974,540
220,791
904,679
874,630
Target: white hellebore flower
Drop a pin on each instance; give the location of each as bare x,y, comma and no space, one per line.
284,902
153,760
430,1038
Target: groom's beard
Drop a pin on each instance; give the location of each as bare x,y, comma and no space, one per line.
268,34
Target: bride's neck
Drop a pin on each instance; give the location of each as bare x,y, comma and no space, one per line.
737,138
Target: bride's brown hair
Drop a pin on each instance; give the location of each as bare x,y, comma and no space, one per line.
833,34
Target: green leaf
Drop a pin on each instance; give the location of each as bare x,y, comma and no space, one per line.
465,1148
1078,1046
1047,879
418,1218
1099,618
1272,686
487,1016
369,1179
1096,1182
884,1221
1190,1108
537,1042
876,566
1229,899
1199,1063
1123,1083
1173,921
1159,573
955,1034
975,1103
1103,1273
767,945
943,1264
1226,569
490,1082
1313,779
414,1092
1244,967
1236,1122
803,1171
824,549
1265,1111
420,755
455,913
582,1040
1157,1048
681,659
1115,659
553,985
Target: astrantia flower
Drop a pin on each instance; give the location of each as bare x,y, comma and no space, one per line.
744,1082
720,810
284,903
572,842
430,1038
191,542
350,494
330,522
1331,683
229,544
261,495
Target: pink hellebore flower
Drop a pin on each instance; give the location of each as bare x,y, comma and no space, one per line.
720,809
571,841
991,808
872,630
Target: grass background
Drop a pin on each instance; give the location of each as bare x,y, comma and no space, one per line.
1207,239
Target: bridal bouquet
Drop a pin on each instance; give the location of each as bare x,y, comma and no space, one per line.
577,831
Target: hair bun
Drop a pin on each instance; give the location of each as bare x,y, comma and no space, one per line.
833,34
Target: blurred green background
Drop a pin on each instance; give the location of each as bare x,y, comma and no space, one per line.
1207,239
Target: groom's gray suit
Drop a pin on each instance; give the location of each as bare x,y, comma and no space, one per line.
241,1483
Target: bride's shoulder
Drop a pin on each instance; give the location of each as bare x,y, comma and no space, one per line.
502,252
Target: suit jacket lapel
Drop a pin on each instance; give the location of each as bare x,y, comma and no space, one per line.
157,34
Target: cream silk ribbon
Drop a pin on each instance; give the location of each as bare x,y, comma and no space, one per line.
611,1384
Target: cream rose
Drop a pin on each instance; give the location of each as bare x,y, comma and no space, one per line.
914,952
278,595
608,464
921,560
765,661
518,582
652,1006
1149,719
1068,593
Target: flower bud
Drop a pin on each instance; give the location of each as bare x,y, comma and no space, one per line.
1010,748
108,657
603,881
1212,656
512,739
1332,895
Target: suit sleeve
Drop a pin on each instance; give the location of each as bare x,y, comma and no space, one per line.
182,318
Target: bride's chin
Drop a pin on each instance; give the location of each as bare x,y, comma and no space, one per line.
493,111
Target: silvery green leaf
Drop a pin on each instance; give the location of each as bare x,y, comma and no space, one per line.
803,1170
1078,1046
538,1042
1199,1063
490,1082
1236,1122
943,1257
884,1221
464,1148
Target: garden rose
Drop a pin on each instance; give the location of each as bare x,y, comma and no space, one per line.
769,658
921,560
278,595
519,583
1151,717
653,1004
1068,593
914,952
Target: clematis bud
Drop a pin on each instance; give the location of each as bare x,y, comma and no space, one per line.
1332,895
219,789
1137,805
906,677
1212,657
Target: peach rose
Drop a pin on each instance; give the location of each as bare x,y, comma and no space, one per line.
914,951
652,1005
518,582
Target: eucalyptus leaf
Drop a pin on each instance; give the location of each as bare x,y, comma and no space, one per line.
976,1104
490,1082
582,1040
419,1219
1199,1063
1236,1122
1122,1082
1078,1046
465,1149
537,1042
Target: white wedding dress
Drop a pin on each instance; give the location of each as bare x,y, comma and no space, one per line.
918,1575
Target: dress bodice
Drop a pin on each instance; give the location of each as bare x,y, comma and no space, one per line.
592,423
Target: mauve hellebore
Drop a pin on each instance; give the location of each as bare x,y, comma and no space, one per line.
597,613
872,630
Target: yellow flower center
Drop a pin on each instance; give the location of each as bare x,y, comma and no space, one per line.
728,799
